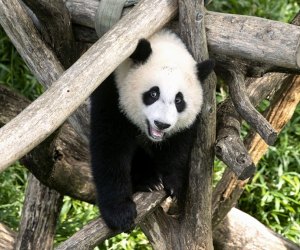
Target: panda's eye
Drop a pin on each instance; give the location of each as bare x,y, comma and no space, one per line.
151,96
178,99
154,94
179,102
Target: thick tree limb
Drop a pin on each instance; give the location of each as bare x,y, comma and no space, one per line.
96,231
65,95
63,165
56,28
39,216
229,147
240,231
196,228
274,45
237,90
7,238
40,59
229,189
279,113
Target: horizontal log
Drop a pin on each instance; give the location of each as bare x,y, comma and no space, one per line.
240,231
245,37
51,109
7,238
96,231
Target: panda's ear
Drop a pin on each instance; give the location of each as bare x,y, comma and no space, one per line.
205,68
142,51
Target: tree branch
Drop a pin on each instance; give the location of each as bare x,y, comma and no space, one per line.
196,227
39,216
242,104
65,95
56,28
229,189
256,41
240,231
96,231
7,238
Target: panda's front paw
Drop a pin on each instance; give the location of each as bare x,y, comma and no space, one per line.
172,186
119,216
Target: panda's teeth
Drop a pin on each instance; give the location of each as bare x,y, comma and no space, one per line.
157,133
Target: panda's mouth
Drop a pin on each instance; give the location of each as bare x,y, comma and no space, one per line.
154,134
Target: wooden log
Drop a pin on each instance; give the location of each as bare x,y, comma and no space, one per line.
249,38
240,231
196,227
40,59
237,90
39,216
65,95
7,238
229,189
64,165
56,28
96,231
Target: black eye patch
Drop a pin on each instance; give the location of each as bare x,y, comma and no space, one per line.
151,96
179,102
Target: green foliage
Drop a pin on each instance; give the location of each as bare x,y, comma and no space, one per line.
273,197
281,10
135,240
73,216
12,188
13,71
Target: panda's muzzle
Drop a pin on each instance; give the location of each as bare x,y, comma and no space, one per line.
157,133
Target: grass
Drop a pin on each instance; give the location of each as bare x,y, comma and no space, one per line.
272,197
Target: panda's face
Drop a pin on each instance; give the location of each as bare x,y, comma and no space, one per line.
159,86
160,101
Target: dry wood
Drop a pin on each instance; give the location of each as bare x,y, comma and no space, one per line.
229,189
229,147
40,59
39,216
96,231
256,39
196,228
65,95
280,111
63,165
7,238
240,231
237,90
56,28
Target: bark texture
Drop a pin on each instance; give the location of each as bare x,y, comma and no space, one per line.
39,216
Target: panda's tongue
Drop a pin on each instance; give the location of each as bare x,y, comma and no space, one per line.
156,133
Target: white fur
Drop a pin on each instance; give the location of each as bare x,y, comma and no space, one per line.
173,70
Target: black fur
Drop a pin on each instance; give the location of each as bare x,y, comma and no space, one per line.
122,165
142,52
124,162
205,68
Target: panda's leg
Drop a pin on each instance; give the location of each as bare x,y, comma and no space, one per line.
145,177
111,171
173,157
112,145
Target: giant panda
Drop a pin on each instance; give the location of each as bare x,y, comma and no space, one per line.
143,120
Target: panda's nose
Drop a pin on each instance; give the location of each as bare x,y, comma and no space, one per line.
161,125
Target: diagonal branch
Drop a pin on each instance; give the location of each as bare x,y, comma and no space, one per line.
242,104
65,95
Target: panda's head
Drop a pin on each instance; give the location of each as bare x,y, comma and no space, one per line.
160,86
